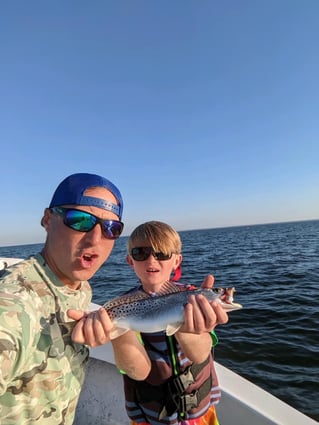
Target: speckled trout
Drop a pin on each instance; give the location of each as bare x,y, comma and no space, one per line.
164,311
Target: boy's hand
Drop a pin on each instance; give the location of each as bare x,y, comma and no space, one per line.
208,281
202,315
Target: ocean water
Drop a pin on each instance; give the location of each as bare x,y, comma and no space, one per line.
273,341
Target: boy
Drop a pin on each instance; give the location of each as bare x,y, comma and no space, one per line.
182,387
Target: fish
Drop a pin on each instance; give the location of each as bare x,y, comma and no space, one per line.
141,312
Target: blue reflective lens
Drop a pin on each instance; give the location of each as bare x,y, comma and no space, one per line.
83,221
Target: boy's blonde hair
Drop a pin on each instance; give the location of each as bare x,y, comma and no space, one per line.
156,234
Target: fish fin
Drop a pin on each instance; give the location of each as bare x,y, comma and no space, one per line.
125,299
116,332
172,329
169,287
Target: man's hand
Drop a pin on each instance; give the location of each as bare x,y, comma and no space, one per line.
93,328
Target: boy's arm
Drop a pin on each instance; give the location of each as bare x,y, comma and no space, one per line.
131,357
195,347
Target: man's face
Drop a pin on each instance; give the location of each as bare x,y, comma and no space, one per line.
76,256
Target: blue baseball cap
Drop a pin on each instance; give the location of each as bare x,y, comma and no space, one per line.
71,192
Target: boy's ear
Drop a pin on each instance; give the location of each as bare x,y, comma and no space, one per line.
177,269
178,261
129,260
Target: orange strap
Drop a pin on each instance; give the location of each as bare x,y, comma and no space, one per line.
210,418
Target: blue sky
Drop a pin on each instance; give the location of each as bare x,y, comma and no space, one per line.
204,113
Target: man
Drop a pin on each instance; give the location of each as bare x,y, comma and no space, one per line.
41,368
42,364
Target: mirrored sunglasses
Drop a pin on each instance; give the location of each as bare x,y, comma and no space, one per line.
142,253
83,221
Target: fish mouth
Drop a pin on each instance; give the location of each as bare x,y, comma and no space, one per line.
230,306
227,299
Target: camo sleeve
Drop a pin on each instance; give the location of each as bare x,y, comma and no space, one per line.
41,368
14,337
20,328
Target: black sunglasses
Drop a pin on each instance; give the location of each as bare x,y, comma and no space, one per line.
83,221
142,253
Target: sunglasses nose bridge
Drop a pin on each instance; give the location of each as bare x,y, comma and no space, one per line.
154,255
92,222
95,231
150,254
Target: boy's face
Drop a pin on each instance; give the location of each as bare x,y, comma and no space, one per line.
153,272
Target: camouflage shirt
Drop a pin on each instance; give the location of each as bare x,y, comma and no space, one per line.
41,368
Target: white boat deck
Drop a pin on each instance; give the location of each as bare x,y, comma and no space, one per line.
243,403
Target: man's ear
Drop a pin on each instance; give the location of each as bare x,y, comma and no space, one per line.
46,218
